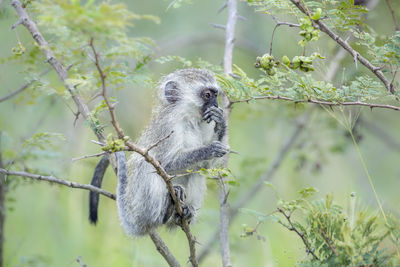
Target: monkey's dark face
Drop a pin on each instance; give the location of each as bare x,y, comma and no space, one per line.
209,97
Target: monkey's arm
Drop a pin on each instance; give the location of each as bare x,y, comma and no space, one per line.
185,160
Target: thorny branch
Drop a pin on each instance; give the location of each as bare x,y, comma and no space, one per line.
56,180
320,102
156,164
163,249
294,229
343,43
90,156
83,109
223,189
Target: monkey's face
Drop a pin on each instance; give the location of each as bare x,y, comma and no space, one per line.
209,98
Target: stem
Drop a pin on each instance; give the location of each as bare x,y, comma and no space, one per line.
3,191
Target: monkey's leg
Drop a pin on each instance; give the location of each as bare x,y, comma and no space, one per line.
96,181
181,196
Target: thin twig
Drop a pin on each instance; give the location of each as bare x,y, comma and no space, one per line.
396,25
53,179
159,141
90,156
322,26
79,260
294,229
218,26
320,102
225,5
279,23
3,192
329,243
23,87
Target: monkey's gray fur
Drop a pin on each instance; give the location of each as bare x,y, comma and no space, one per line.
187,108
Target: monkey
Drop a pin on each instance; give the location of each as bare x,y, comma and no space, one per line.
188,113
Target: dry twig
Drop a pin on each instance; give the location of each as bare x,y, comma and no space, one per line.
320,102
56,180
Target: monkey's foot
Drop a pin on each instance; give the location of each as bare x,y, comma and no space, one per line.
180,193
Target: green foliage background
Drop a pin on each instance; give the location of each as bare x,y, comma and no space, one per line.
48,226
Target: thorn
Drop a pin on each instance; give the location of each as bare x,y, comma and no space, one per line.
242,18
218,26
225,5
15,25
234,152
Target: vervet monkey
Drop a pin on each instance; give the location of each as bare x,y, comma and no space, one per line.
187,111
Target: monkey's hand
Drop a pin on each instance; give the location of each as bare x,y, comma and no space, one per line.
217,149
180,193
216,114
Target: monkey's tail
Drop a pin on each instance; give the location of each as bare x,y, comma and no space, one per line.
96,181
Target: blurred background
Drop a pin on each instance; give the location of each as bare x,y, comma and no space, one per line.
47,225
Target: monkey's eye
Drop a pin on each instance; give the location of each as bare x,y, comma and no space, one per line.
207,95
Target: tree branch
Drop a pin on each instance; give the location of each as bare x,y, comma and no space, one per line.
279,23
320,102
223,189
300,234
23,87
3,192
53,179
322,26
396,25
163,249
255,189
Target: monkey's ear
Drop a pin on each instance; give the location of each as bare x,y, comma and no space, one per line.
171,92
